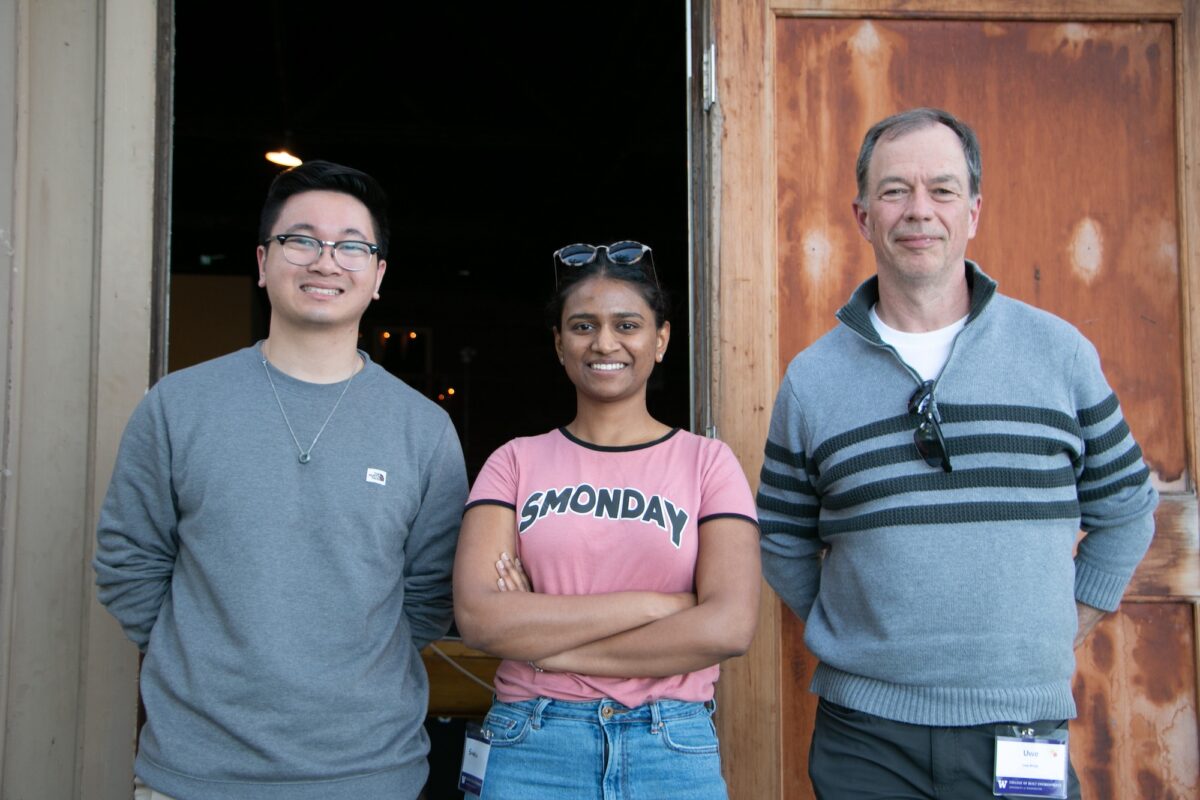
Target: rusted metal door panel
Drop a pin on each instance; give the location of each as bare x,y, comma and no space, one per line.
1080,217
1136,687
1077,126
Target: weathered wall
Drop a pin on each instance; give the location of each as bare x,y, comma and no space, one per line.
77,360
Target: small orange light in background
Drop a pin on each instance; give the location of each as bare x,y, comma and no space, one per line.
441,397
412,334
387,334
283,158
450,390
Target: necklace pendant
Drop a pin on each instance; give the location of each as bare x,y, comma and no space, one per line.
305,456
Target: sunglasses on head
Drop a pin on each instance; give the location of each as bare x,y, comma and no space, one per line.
625,254
931,445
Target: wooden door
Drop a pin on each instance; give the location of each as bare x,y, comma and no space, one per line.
1087,117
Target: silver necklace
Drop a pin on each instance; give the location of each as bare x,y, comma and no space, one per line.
305,455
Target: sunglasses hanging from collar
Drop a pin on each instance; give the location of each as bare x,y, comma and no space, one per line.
931,444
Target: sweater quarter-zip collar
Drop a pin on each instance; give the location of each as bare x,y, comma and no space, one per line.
856,314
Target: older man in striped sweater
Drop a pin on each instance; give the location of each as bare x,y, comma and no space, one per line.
929,464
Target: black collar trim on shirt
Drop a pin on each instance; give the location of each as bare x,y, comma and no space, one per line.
616,449
856,314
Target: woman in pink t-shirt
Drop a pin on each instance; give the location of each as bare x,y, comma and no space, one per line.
612,563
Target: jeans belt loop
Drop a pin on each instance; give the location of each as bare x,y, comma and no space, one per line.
655,717
537,711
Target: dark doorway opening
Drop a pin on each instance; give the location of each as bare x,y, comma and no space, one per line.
500,134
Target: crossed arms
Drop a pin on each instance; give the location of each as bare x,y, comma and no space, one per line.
618,634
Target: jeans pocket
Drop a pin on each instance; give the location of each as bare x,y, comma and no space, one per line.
692,734
505,725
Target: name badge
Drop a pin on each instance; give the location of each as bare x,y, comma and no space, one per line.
475,757
1031,766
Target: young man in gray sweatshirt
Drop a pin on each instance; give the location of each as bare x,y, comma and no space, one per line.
929,464
279,532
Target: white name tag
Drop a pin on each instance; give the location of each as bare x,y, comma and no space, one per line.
1031,766
474,764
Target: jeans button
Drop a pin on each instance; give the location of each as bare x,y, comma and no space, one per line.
606,712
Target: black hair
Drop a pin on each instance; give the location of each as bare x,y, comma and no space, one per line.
897,125
635,275
326,176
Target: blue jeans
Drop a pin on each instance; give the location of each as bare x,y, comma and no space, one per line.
601,750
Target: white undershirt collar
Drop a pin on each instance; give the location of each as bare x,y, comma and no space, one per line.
925,352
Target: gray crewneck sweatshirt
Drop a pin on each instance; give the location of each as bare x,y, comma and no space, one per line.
281,605
948,598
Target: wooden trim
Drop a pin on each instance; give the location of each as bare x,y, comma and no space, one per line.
703,227
51,330
122,277
1187,83
1171,568
745,364
1073,10
164,139
1196,645
15,91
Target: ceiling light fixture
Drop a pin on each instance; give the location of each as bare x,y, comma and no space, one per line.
283,158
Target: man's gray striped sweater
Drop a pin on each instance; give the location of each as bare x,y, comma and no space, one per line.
948,598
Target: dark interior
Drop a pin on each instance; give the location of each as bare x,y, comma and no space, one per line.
500,133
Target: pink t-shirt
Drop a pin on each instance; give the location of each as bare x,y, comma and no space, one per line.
593,519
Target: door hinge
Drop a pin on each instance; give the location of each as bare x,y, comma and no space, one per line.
710,76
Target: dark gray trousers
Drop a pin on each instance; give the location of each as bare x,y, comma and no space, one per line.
857,756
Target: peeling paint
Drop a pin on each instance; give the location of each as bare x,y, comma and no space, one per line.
1177,760
1075,34
871,50
1142,63
1159,649
1067,40
1166,485
1103,650
818,255
865,40
1086,249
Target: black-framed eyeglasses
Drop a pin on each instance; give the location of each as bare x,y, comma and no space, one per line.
304,251
928,436
624,253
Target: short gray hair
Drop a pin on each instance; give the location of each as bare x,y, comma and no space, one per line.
915,119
